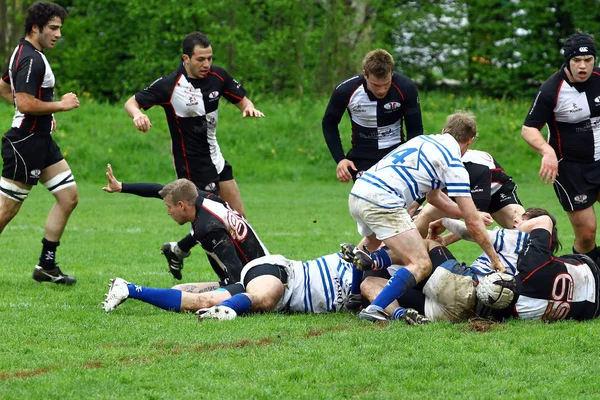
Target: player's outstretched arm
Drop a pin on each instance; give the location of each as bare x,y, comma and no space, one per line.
248,110
113,184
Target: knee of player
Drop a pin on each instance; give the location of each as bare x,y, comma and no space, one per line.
423,268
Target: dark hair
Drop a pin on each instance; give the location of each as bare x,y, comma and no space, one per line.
40,13
192,40
533,212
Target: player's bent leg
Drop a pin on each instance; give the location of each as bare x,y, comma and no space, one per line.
506,216
196,301
230,192
408,248
584,227
59,180
265,292
12,195
197,287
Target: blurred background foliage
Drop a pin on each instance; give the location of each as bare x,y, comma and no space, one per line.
289,48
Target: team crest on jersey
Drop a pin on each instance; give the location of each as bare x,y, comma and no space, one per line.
580,198
597,100
391,106
210,187
213,95
35,173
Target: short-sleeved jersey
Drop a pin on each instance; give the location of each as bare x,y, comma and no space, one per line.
572,113
409,172
29,72
316,286
225,235
191,107
507,243
555,288
376,123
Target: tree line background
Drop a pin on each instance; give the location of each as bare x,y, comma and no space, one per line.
290,48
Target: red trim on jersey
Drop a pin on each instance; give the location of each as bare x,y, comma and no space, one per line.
399,91
555,125
35,117
233,240
217,75
233,95
537,269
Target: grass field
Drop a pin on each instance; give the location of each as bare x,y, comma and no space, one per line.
59,343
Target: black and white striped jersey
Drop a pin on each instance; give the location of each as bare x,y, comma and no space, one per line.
572,113
191,107
376,123
29,72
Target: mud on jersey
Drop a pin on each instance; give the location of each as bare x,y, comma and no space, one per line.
572,113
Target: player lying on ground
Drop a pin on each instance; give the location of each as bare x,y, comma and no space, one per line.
270,283
228,239
544,286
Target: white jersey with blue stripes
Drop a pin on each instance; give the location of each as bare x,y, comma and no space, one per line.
412,170
320,286
507,243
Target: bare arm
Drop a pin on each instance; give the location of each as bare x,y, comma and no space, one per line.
535,139
477,230
442,202
28,104
140,120
6,91
248,110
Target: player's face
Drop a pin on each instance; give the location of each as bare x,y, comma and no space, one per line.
581,67
378,86
198,65
50,33
176,211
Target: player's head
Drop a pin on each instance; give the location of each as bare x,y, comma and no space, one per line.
534,212
462,126
197,55
45,19
180,197
378,67
580,56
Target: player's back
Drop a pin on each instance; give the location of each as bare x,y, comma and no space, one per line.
321,285
507,243
412,170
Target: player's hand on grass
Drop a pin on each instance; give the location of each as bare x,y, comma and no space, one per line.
113,184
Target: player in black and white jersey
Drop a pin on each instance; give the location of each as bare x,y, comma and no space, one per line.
379,101
29,152
227,238
190,98
492,190
569,104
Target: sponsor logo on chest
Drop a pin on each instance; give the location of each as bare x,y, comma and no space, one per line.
391,106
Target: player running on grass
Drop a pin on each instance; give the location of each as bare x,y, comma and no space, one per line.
228,239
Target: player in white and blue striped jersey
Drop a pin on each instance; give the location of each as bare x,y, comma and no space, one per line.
269,283
421,167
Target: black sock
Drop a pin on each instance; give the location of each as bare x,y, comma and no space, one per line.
594,254
47,259
186,243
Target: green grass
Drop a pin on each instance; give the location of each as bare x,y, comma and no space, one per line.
58,343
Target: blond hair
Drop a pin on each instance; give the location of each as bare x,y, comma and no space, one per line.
461,125
378,63
180,190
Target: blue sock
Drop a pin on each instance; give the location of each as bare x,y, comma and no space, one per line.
357,276
382,258
403,279
398,313
167,299
240,303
